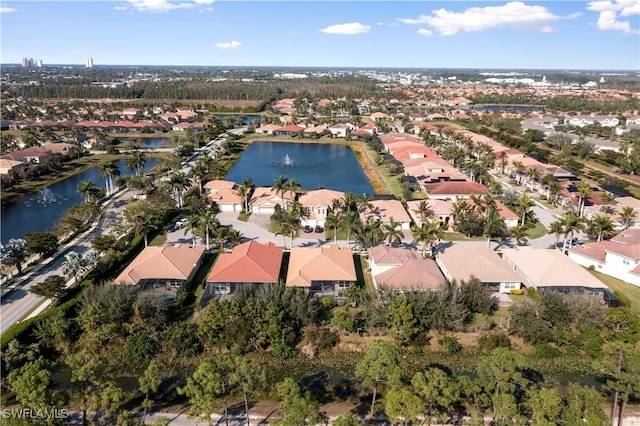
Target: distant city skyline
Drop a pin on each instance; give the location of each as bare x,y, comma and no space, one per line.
574,35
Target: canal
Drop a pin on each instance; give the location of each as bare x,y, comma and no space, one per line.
39,212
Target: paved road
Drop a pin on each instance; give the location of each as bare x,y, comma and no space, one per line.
19,303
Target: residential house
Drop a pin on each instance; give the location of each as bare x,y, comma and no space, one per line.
340,130
317,205
552,270
325,271
288,131
267,129
401,269
250,263
265,199
387,210
463,262
586,120
618,257
34,154
453,190
225,194
168,267
441,209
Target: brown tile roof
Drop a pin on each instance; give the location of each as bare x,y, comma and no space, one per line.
251,262
455,188
320,197
326,263
413,274
170,262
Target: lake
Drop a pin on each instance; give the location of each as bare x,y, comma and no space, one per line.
151,143
315,165
39,212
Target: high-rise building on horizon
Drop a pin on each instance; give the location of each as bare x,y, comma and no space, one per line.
88,63
31,63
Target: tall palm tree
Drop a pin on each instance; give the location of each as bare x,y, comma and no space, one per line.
107,171
350,202
584,191
554,188
201,171
350,222
494,226
179,182
293,186
392,232
374,231
364,203
558,229
207,222
524,204
235,237
427,234
571,224
602,226
280,185
627,216
333,221
136,162
424,211
138,183
89,190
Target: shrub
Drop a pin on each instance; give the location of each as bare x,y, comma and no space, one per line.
545,351
451,344
532,293
489,342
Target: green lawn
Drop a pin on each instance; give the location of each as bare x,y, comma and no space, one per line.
629,290
457,236
243,216
537,231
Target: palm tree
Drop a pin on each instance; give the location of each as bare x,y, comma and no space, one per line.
494,226
138,183
570,225
136,162
207,222
503,161
364,203
293,186
519,233
350,222
602,226
333,221
107,171
427,234
350,202
533,175
554,188
235,237
374,231
424,211
520,170
178,183
201,170
89,190
524,204
558,229
627,216
392,232
280,185
245,191
460,209
585,191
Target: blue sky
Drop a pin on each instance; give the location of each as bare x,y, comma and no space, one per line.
601,34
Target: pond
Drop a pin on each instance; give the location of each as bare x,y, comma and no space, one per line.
40,212
315,165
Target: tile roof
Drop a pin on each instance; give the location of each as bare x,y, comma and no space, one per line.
550,268
251,262
385,210
413,274
320,197
463,261
455,188
170,262
626,244
325,263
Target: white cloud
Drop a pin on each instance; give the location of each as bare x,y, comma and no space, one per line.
608,19
347,29
7,10
228,45
163,5
514,15
425,32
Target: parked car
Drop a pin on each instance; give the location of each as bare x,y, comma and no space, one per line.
319,229
308,229
181,223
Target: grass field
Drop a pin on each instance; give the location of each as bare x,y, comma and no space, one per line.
629,290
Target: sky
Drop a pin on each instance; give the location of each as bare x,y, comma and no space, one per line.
594,35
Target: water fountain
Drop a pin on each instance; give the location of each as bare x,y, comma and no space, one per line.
286,162
46,196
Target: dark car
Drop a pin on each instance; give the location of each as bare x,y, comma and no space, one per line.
307,229
319,229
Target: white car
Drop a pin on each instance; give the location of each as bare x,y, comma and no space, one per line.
181,223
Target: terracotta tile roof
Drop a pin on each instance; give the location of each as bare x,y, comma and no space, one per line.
626,244
460,262
290,128
170,262
325,263
439,207
219,184
268,196
251,262
550,268
386,255
504,211
455,188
